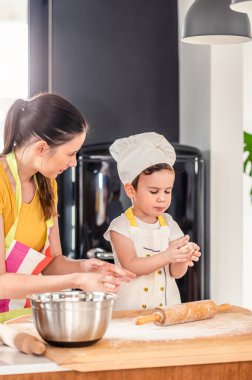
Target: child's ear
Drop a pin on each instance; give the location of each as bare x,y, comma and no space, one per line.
129,190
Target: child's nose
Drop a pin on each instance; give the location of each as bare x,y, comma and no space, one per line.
161,197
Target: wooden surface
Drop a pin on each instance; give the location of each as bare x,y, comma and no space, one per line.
223,357
224,371
130,353
107,356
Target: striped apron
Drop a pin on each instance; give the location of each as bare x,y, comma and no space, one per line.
19,258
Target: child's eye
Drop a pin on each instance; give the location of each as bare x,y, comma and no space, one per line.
153,192
168,192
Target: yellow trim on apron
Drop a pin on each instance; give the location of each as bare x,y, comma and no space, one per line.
6,316
12,163
11,160
132,221
130,216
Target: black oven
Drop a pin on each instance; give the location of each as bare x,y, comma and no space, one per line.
91,196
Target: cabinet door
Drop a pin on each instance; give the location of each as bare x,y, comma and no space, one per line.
118,62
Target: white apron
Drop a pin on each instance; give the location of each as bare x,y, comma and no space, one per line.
157,288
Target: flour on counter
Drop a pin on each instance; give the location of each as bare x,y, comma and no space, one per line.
225,324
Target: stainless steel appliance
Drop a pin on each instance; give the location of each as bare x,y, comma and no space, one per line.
91,196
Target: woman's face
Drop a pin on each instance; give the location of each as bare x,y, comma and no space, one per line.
57,160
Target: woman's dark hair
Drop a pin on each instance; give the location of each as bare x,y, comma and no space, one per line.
48,117
150,170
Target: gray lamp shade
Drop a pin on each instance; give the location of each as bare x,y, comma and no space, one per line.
211,22
243,6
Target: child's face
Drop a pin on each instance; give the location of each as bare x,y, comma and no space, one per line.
153,194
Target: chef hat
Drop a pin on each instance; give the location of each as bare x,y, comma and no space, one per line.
136,153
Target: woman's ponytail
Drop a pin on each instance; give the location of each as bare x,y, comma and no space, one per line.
46,196
12,125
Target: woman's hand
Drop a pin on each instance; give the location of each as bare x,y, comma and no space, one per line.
100,266
95,282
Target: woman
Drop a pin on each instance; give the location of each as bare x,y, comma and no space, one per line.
41,139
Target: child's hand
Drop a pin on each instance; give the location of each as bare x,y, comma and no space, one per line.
179,250
194,254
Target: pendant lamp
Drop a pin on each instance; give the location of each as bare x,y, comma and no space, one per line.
212,22
244,6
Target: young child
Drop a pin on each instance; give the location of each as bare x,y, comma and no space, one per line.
145,239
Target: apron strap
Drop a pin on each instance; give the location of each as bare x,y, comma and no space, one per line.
162,221
12,163
130,216
132,221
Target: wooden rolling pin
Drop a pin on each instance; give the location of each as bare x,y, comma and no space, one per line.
22,341
182,313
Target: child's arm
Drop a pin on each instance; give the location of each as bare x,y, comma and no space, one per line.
145,265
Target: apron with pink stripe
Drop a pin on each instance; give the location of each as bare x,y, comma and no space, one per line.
20,258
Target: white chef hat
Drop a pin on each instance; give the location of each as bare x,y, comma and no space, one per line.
138,152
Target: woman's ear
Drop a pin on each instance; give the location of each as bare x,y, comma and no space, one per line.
129,190
41,147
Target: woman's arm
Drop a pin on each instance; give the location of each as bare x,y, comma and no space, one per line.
145,265
63,265
14,285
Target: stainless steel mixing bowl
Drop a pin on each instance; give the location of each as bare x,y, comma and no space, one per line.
72,318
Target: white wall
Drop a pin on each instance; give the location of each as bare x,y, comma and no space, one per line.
213,106
247,181
226,173
14,55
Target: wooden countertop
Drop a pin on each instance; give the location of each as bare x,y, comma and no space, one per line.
114,354
225,338
226,353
